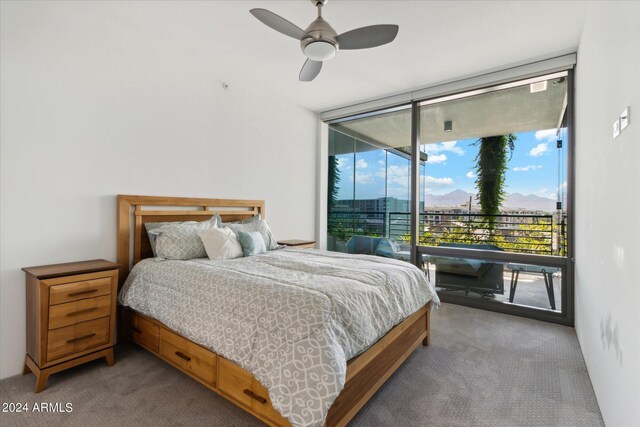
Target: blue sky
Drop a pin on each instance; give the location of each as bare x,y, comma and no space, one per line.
533,169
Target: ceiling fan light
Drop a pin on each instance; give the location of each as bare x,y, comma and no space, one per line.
320,50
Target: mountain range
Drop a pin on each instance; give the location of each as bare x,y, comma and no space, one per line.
513,201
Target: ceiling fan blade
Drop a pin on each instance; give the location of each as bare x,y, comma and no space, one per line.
366,37
310,70
278,23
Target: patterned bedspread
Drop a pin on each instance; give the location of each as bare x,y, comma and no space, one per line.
290,317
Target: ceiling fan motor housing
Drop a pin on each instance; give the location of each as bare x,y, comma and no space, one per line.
322,43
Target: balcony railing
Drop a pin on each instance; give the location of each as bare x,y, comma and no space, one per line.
528,233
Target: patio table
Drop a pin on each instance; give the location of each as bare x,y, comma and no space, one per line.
547,273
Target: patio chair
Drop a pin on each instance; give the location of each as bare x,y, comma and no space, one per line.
363,245
382,246
484,277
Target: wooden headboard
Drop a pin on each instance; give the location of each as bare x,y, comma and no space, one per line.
135,211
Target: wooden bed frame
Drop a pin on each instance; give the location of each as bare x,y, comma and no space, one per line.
366,373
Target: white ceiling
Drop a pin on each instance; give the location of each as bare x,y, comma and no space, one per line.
438,41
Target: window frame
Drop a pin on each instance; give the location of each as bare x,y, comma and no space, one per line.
566,312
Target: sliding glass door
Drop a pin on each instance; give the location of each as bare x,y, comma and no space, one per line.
369,186
496,182
491,221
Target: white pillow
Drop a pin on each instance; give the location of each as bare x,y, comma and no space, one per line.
220,243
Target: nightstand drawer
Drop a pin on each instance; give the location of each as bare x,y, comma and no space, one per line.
74,291
79,311
190,357
77,338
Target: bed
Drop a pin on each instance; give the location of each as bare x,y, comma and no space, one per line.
288,338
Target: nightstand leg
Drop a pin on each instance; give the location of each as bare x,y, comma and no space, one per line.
110,358
41,381
41,374
26,370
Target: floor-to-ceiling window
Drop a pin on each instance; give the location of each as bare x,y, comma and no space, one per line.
492,222
496,181
370,184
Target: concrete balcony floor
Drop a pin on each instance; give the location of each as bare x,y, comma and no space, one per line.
530,290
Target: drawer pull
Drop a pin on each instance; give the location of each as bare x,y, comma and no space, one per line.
252,395
183,356
86,310
75,294
80,338
136,330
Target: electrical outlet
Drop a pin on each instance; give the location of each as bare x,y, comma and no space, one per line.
624,119
616,128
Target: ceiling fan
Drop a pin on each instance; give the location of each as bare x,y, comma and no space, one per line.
320,42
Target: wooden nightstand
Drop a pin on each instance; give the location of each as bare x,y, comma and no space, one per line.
71,316
298,243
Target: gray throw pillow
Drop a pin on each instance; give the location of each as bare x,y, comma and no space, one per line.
180,240
260,226
152,237
244,221
252,243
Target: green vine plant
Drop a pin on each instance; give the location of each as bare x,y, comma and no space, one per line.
492,161
333,188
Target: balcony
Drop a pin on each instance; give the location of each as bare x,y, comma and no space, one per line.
538,234
542,234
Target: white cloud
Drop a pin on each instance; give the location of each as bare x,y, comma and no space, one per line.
449,146
527,168
430,148
399,192
471,174
432,183
396,174
539,149
546,135
437,158
364,178
344,163
361,164
399,176
381,163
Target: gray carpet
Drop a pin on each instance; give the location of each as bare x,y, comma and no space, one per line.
482,369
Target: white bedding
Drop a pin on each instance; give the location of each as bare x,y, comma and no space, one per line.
290,317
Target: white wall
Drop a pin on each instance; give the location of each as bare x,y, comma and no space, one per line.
96,102
607,207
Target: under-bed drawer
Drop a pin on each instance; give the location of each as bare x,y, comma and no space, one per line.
190,357
244,388
140,330
233,381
